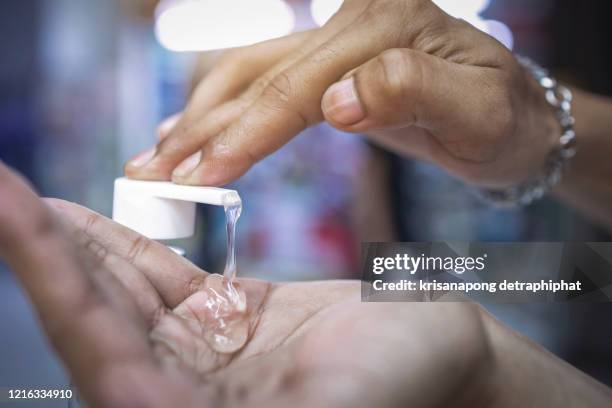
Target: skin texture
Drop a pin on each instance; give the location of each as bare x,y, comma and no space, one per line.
123,314
423,85
428,86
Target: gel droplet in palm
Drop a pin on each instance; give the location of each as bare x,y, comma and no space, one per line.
226,319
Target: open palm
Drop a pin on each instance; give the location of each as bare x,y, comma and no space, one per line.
123,313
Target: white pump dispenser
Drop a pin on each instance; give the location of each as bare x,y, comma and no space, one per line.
164,210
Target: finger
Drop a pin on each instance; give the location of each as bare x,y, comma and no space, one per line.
202,118
292,99
147,299
287,105
167,125
402,87
193,131
140,290
229,76
172,276
433,100
78,318
173,151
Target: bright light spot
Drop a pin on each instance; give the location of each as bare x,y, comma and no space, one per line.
500,32
202,25
463,8
323,10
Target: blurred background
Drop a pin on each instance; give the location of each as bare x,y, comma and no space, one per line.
83,85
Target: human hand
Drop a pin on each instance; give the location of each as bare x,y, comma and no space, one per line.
122,312
401,71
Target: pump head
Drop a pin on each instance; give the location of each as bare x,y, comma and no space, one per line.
164,210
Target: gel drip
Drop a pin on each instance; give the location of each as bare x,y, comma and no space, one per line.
226,324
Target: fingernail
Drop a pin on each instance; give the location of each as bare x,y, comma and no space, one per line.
341,103
188,165
143,158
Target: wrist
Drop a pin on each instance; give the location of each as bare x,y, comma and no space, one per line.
546,139
525,374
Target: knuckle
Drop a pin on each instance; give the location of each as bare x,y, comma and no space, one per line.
91,221
139,246
257,87
194,284
400,75
280,88
281,95
326,53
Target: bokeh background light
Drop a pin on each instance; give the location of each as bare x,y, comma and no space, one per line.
204,25
323,10
463,8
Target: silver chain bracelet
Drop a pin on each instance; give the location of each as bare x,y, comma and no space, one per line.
560,98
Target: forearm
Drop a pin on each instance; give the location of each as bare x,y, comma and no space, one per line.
587,185
524,374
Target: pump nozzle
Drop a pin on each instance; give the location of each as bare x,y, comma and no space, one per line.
164,210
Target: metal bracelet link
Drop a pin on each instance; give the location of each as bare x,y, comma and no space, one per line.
560,98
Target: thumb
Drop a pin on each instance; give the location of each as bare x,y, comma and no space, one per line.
404,87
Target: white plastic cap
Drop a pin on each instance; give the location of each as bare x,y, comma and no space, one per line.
164,210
